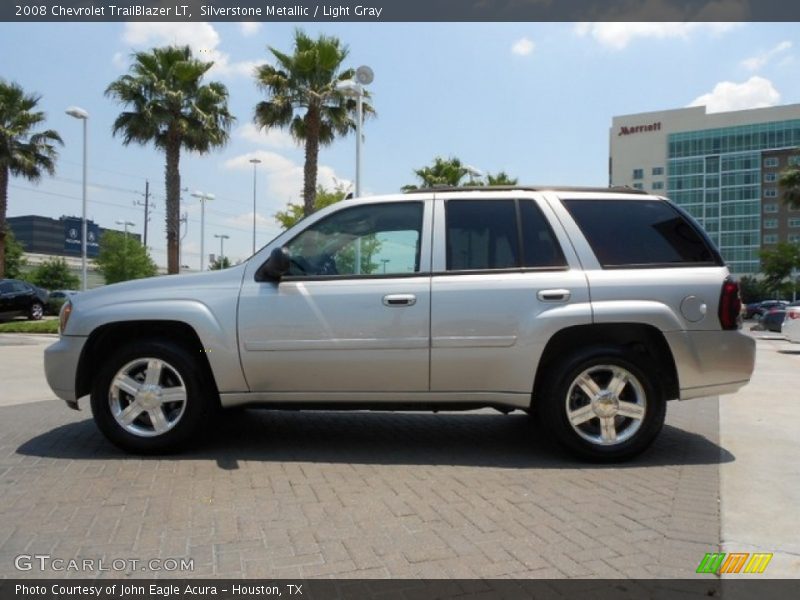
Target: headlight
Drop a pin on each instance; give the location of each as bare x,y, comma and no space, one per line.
63,316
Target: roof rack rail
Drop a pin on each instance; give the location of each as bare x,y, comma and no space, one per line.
527,188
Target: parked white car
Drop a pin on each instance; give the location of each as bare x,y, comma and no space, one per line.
589,307
791,324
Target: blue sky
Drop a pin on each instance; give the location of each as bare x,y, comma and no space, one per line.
533,99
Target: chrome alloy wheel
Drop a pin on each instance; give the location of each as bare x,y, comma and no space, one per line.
147,397
606,404
37,311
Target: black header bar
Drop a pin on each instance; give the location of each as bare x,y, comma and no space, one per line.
372,11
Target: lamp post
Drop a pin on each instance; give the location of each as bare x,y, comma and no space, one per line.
79,113
203,197
125,224
255,162
349,87
473,172
222,237
355,88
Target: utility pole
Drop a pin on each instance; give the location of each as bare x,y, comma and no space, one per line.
147,207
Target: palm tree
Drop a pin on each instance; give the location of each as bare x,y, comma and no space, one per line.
449,172
500,178
168,106
23,152
302,95
790,186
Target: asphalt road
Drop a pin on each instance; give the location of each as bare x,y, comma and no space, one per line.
272,494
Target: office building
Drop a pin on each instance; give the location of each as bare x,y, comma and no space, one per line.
723,168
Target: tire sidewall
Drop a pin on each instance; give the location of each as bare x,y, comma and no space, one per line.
195,414
554,412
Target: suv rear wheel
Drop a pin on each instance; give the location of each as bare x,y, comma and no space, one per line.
151,397
603,404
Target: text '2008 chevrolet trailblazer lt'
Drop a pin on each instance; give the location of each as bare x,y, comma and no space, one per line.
590,308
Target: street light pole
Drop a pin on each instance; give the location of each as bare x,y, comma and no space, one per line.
222,237
126,224
203,197
79,113
125,253
255,162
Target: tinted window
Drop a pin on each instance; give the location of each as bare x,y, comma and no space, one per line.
540,248
638,232
5,287
373,239
481,234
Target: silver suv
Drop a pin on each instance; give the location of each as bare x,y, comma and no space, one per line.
589,308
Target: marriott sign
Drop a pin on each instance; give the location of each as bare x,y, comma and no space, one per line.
625,130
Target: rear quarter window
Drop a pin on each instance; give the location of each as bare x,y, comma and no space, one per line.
641,233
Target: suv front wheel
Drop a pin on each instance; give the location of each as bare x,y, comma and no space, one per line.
603,404
151,397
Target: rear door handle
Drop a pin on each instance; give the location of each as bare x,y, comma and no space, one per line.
553,295
400,300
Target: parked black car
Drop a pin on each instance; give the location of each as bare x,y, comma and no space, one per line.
772,320
21,298
56,300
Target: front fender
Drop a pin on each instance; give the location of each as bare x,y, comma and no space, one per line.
216,330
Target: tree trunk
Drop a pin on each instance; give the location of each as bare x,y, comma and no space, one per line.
3,210
312,119
173,182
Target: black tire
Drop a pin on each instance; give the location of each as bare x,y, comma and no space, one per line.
36,311
179,366
587,440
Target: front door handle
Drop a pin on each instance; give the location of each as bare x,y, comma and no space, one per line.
553,295
400,300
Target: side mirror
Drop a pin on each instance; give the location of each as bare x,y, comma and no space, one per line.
277,266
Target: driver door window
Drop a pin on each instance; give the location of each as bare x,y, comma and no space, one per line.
375,239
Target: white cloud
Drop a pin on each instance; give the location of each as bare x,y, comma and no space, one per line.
202,38
618,35
272,137
759,61
249,28
523,47
756,92
284,178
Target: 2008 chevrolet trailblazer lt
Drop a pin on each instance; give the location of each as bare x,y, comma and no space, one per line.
588,307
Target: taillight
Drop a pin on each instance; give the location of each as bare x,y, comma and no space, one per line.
792,314
63,316
730,305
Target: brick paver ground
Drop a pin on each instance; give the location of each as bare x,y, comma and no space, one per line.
291,495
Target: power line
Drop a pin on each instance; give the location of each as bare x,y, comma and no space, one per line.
116,205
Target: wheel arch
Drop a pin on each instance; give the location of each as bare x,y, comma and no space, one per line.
105,339
642,339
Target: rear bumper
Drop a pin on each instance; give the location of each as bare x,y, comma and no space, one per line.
61,367
710,363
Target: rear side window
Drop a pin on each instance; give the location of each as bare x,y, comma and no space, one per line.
482,234
499,234
540,248
639,233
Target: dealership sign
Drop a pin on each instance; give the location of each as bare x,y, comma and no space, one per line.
625,130
73,228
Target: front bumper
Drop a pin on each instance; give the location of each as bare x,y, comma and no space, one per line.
712,362
61,367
